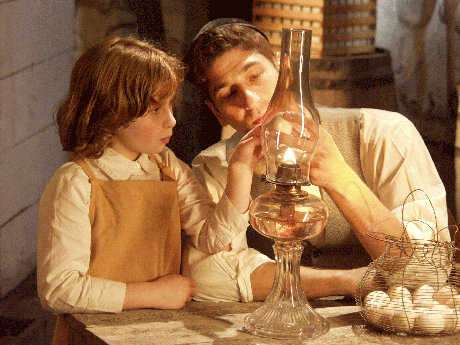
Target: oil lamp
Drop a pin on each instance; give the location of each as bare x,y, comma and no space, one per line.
288,214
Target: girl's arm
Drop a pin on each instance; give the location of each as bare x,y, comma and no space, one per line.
167,292
210,227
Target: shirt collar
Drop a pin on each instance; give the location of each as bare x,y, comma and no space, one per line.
118,167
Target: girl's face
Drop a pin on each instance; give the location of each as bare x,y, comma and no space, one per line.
148,133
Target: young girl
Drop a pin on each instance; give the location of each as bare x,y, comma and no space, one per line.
110,220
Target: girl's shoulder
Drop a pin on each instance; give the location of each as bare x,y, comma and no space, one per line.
69,182
69,171
69,175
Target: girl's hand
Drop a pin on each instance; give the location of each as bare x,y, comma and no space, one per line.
167,292
173,291
248,153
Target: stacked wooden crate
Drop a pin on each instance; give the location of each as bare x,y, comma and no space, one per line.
339,27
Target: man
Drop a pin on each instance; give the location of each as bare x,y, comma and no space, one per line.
366,164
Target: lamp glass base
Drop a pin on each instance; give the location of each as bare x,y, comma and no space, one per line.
286,313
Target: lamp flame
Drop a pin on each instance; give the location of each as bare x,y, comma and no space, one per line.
289,156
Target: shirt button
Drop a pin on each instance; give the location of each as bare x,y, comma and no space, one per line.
137,165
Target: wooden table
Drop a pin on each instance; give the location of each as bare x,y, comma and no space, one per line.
222,323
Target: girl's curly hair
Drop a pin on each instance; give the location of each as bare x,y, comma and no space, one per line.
111,84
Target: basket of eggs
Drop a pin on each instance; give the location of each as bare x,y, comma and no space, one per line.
412,288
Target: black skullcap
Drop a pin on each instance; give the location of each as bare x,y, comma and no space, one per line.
227,21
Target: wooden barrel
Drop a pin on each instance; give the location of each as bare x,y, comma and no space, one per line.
354,81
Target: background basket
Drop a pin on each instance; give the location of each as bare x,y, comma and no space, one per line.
339,27
412,288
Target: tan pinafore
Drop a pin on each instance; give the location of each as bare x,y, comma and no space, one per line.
135,231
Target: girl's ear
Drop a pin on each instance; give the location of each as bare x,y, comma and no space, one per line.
216,113
277,60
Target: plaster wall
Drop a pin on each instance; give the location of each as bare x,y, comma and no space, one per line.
37,40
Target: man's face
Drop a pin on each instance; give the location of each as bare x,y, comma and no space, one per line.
241,84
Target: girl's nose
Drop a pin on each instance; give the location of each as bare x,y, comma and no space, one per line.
170,120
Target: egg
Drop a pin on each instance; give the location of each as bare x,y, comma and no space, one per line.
376,309
445,293
451,320
417,312
424,291
424,303
373,310
385,316
430,321
433,270
403,320
401,303
397,291
379,296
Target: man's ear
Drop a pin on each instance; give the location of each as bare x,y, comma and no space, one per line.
277,60
216,113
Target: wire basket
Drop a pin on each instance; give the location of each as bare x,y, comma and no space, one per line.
413,288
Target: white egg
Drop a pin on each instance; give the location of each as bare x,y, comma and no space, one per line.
401,303
403,320
386,314
425,303
441,308
373,310
452,323
445,293
424,291
417,312
375,305
379,296
397,291
430,321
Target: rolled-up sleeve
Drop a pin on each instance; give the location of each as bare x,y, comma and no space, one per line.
398,168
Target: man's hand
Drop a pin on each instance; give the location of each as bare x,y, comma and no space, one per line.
328,167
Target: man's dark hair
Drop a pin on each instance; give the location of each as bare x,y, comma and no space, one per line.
218,37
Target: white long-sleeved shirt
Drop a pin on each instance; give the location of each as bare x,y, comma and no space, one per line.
64,230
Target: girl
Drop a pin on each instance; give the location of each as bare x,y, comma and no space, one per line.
110,220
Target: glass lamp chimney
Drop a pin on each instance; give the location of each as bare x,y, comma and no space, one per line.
290,127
